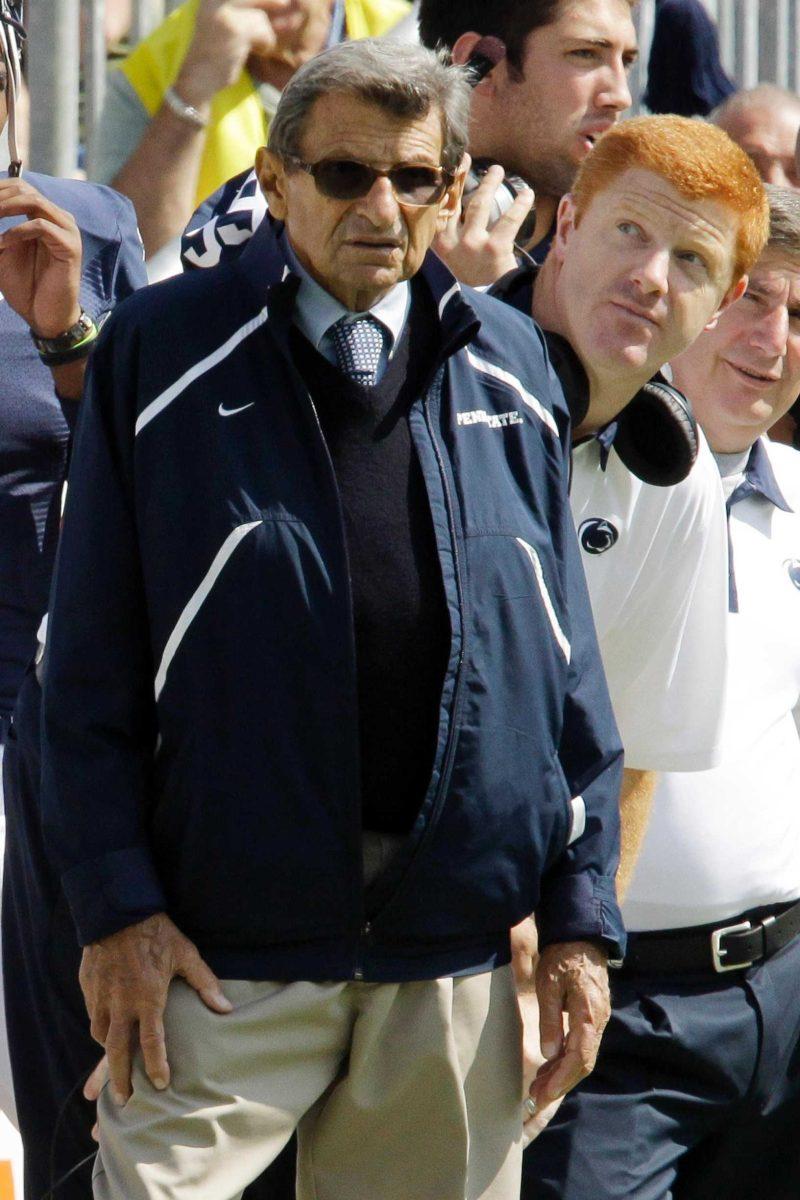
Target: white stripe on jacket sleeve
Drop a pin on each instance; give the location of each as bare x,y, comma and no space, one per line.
498,373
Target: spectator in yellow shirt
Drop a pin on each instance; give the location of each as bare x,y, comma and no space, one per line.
191,105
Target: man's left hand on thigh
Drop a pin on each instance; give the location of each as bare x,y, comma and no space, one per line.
125,978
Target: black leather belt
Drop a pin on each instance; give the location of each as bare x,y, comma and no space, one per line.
740,943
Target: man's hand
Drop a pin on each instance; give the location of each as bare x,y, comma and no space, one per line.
125,979
226,33
571,980
524,960
478,253
40,259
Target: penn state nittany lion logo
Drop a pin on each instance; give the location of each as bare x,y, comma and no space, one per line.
793,567
597,535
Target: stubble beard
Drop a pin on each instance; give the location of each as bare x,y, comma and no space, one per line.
552,176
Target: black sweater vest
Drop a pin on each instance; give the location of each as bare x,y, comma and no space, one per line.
401,626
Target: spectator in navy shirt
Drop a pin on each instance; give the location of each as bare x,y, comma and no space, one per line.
68,252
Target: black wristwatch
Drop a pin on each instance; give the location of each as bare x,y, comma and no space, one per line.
70,346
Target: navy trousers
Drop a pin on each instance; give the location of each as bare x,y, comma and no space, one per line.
695,1096
51,1048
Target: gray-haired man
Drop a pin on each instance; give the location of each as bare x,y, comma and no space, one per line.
314,699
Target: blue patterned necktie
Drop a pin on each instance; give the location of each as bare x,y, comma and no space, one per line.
358,344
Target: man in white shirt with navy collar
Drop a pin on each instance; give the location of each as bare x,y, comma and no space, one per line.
697,1092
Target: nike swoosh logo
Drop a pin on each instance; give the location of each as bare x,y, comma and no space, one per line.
229,412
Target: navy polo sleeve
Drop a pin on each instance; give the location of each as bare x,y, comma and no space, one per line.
113,256
129,270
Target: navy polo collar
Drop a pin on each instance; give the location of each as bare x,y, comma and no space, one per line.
759,480
759,477
605,439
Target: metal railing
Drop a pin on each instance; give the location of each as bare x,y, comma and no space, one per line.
66,48
759,42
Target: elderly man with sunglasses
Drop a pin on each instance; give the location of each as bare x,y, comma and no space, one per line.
319,727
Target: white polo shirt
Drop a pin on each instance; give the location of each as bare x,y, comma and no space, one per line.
656,564
728,840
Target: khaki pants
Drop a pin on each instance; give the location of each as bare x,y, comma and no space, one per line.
399,1092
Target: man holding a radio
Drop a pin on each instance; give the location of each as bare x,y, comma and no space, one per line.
549,78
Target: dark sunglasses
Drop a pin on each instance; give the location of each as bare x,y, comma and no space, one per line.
346,179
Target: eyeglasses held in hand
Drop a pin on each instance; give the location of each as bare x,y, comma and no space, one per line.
346,179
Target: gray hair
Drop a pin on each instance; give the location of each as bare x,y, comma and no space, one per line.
784,220
766,95
404,80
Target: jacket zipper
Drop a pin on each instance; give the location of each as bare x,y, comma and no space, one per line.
365,928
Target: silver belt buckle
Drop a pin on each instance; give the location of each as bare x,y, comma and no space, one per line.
717,951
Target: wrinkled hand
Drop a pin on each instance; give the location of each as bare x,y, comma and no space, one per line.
226,33
524,960
476,252
571,983
40,259
125,979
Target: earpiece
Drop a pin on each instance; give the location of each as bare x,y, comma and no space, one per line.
487,53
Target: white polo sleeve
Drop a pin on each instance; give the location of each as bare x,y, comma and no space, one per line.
657,570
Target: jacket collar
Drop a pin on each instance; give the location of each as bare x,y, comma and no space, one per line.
267,271
571,374
516,289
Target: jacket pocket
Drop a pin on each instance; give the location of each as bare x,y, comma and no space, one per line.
198,599
543,591
504,821
572,808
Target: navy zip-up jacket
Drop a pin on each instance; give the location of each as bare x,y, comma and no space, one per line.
200,751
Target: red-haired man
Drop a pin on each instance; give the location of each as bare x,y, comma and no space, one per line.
664,220
696,1092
